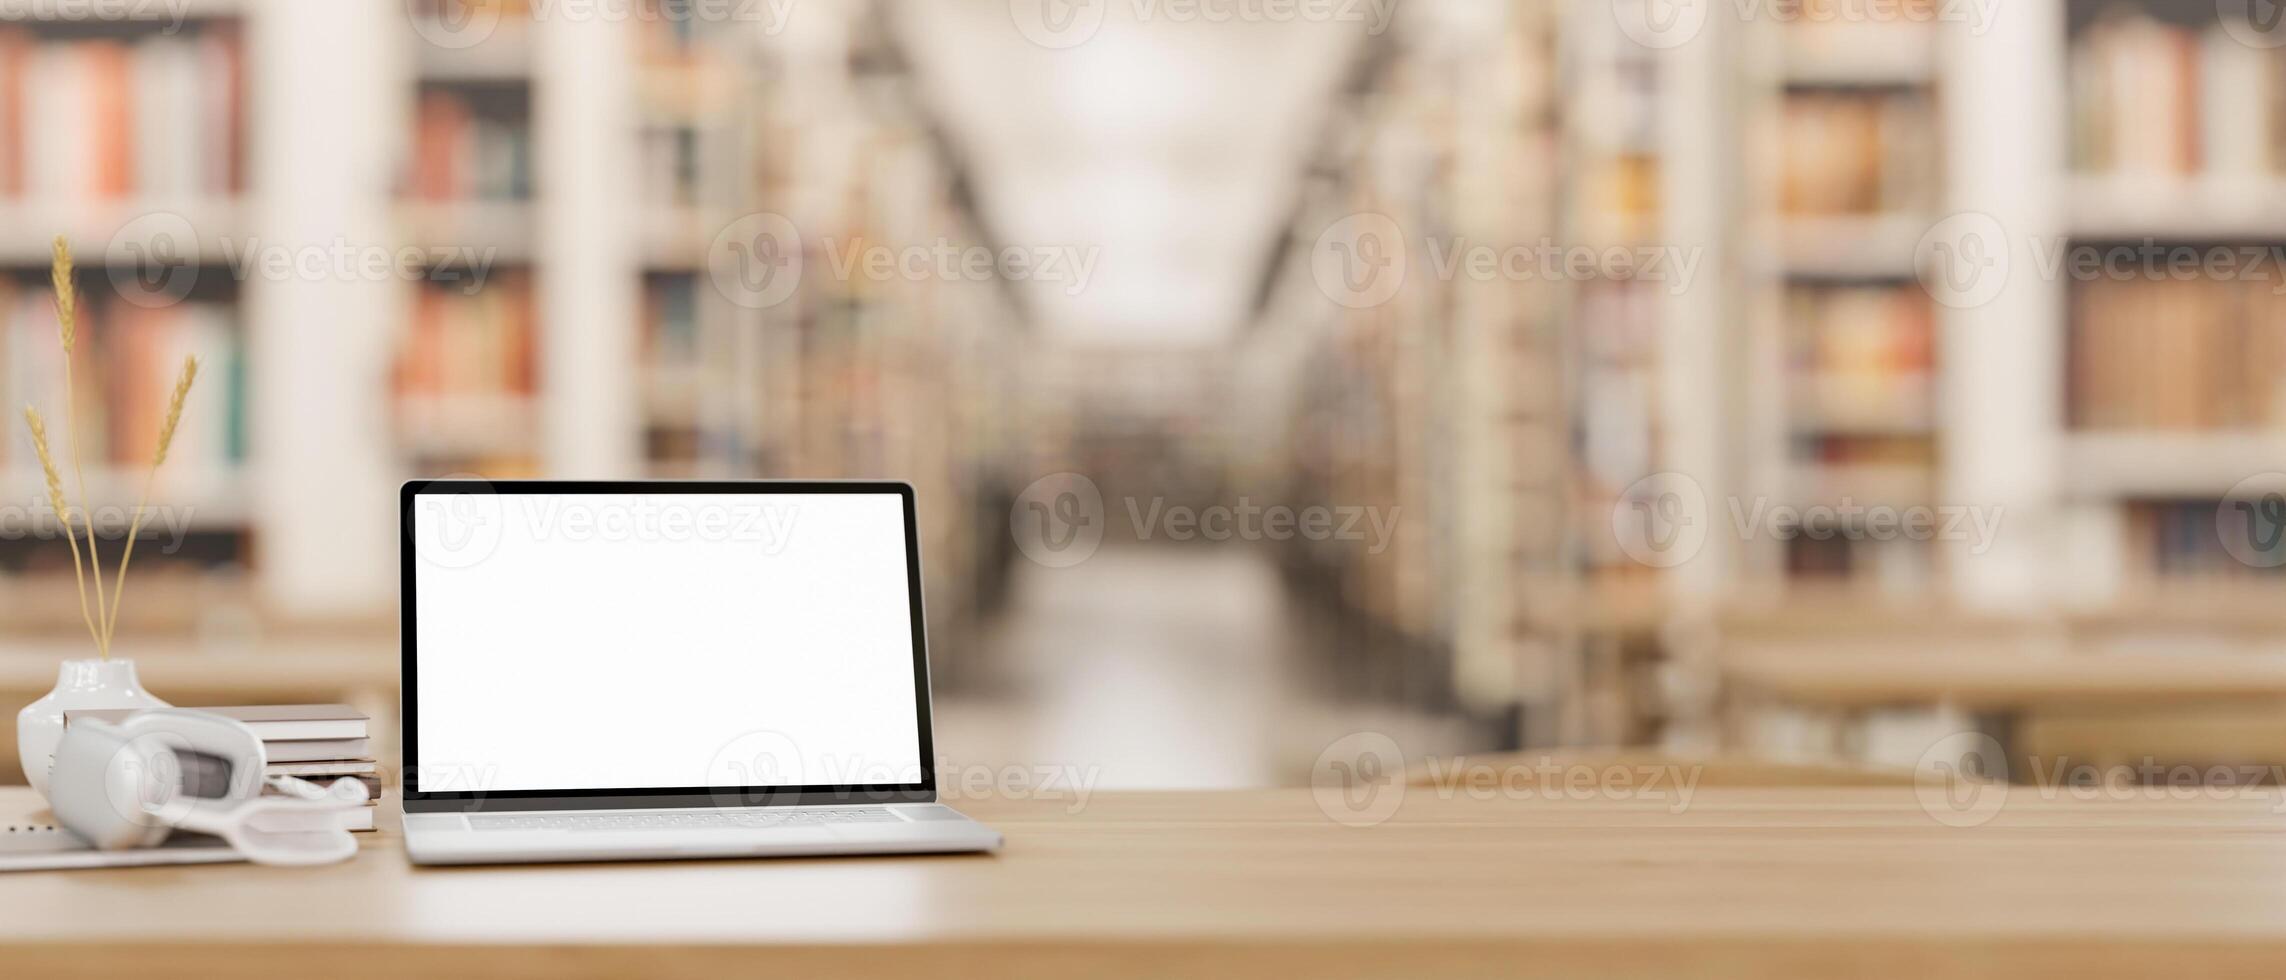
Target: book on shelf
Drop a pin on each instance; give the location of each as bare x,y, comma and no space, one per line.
126,374
667,165
1860,356
2156,98
1857,151
471,143
2184,540
470,345
465,11
2178,355
160,116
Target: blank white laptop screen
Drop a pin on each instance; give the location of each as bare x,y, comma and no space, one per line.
648,641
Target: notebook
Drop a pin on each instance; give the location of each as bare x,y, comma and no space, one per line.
30,841
270,722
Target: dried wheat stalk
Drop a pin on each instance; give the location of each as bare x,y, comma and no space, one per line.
63,513
67,326
166,439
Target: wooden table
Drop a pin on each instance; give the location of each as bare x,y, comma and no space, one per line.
1981,681
1793,883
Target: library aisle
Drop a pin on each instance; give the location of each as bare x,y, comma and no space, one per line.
1653,375
1171,668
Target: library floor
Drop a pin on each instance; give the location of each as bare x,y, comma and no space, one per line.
1167,667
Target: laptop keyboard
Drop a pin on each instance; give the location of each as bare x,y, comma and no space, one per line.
680,819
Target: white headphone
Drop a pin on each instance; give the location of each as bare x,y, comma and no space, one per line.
130,784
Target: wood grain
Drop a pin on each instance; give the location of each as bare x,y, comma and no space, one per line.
1789,882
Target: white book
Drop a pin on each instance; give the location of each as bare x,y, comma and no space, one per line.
2235,126
306,770
59,159
333,750
158,158
209,80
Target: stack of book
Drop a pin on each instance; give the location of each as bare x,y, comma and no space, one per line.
1857,151
2155,353
2156,97
100,117
472,144
322,743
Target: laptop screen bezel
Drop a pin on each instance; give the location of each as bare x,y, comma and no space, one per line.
417,800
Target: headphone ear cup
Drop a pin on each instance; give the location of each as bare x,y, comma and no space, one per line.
106,786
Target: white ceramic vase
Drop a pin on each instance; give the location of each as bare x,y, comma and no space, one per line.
79,684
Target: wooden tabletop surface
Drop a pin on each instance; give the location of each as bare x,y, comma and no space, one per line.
1797,883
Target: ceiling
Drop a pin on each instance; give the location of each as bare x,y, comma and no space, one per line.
1165,147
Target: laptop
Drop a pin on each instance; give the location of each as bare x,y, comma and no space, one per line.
603,671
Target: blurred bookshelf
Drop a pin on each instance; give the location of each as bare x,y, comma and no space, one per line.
103,123
1853,124
583,353
1595,609
1441,404
2175,387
